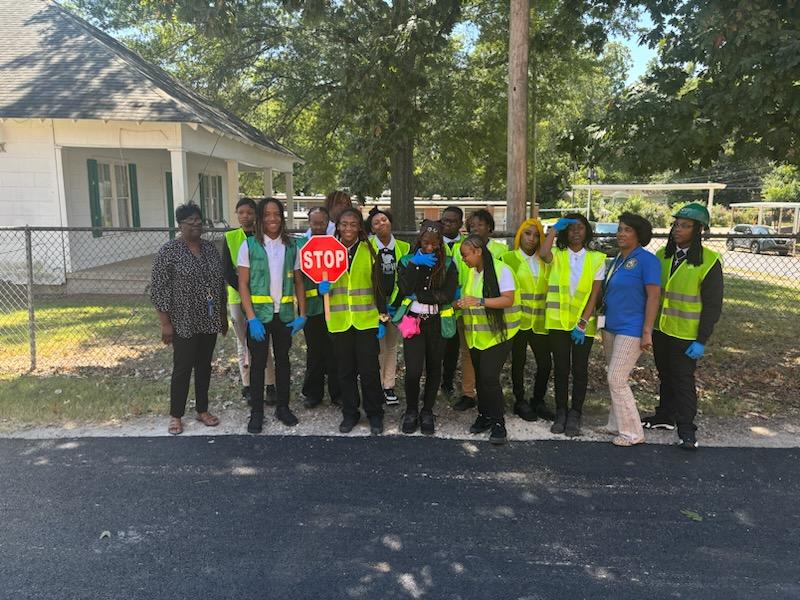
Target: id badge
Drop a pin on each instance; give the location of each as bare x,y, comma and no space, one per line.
601,321
210,305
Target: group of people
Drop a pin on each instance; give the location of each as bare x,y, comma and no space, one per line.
452,298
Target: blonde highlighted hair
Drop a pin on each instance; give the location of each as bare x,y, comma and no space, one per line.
525,224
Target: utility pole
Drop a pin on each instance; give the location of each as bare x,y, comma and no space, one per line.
516,177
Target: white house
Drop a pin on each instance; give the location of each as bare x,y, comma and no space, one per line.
92,135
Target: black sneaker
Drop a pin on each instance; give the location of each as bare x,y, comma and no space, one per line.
256,422
542,411
573,425
448,389
310,402
687,440
560,422
376,424
285,416
391,397
499,435
348,423
246,394
270,395
410,421
524,411
481,424
465,403
658,422
427,424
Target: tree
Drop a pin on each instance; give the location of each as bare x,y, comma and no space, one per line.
782,184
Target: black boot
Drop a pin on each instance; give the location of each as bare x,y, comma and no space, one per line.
573,427
542,411
410,421
560,422
256,422
285,416
427,424
524,411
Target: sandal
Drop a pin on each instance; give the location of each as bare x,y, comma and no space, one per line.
175,426
625,442
207,419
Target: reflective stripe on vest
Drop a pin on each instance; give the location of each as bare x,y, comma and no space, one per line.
533,291
263,302
352,302
234,240
477,329
681,302
563,310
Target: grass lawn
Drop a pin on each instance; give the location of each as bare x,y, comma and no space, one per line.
101,360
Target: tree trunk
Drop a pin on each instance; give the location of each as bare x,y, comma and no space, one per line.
402,182
516,178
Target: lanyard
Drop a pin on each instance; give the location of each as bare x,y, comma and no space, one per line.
615,266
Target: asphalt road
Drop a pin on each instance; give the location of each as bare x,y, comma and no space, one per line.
275,518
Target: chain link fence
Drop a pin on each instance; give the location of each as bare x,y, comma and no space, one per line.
73,299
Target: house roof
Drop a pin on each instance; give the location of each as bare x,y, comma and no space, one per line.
55,65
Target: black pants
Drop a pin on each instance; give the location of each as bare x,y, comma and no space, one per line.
570,357
191,354
357,356
677,392
450,361
320,360
488,365
423,353
281,337
540,345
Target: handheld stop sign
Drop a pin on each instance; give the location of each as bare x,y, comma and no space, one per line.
323,258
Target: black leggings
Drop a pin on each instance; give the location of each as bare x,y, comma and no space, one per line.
570,357
357,357
677,392
191,354
540,345
281,337
488,365
424,352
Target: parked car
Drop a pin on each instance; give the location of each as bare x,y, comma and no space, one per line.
605,238
738,239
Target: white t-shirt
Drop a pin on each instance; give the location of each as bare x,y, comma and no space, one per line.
505,281
276,252
532,261
576,268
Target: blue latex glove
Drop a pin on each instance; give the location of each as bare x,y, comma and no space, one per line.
381,331
297,324
695,351
423,260
391,310
256,329
562,224
458,294
578,336
324,287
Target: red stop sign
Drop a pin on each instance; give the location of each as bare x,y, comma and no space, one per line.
323,258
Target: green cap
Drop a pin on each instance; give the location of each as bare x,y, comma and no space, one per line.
694,211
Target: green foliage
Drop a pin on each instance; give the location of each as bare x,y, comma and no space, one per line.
782,184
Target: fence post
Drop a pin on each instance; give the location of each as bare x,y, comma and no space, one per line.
31,315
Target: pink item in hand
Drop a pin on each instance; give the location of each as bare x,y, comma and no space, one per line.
409,326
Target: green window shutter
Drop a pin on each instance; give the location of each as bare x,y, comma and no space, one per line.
134,196
170,206
95,211
218,181
203,207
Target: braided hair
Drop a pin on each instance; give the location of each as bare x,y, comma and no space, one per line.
259,224
375,275
491,286
435,228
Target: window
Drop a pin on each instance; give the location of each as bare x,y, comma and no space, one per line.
115,194
211,197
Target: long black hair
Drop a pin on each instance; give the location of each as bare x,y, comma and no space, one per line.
375,275
491,286
438,271
562,238
694,256
259,228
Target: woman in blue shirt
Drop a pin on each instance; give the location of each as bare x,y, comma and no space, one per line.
630,302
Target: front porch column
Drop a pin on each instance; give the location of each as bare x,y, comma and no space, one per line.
232,191
180,177
268,189
289,180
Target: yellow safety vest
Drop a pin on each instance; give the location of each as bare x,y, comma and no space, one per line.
352,300
562,309
477,330
681,304
234,240
263,304
533,291
401,248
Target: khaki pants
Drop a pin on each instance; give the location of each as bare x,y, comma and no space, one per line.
467,371
387,358
239,322
622,352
